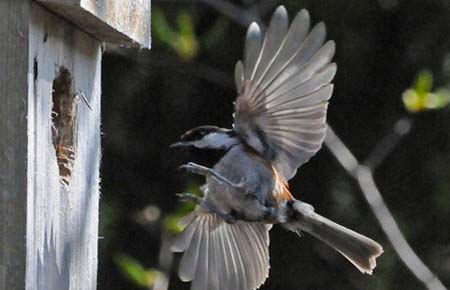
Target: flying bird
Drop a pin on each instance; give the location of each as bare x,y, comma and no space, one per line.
283,87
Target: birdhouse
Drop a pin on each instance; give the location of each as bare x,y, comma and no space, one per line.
50,92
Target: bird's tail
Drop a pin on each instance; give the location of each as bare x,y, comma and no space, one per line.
361,251
222,256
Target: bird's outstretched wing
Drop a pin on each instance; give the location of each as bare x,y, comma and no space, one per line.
283,89
222,256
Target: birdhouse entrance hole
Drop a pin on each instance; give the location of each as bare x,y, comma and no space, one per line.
63,116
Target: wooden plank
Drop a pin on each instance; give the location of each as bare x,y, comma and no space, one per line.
49,169
62,217
14,15
124,22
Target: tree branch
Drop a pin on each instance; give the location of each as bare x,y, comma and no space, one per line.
385,147
364,176
237,14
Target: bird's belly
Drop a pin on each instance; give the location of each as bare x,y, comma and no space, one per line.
256,203
227,201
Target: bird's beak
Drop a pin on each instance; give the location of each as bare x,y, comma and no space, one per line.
180,144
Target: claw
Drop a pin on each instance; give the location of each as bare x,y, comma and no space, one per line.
187,166
182,167
189,197
180,144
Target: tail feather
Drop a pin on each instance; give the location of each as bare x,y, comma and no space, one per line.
360,250
222,256
184,238
259,243
238,276
200,280
214,261
188,264
252,273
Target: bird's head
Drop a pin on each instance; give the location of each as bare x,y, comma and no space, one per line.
207,137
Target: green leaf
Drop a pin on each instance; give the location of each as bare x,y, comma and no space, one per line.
424,82
412,101
185,24
442,98
186,45
184,41
420,97
161,29
135,272
172,221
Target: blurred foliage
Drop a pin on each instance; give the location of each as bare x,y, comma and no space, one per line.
214,36
135,272
420,97
172,221
151,97
183,41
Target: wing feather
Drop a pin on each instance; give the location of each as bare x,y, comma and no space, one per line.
239,77
315,98
310,77
252,48
225,276
240,270
292,67
284,86
184,238
214,258
189,262
202,272
294,37
223,256
275,34
247,263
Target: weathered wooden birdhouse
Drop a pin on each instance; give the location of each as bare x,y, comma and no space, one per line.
50,93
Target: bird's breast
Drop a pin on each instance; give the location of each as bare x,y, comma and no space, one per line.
266,188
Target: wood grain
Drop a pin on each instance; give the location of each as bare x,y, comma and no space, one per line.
49,228
62,223
14,16
125,22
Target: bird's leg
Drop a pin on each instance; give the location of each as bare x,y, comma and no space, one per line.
189,197
202,170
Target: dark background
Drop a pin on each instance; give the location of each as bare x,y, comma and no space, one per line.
151,97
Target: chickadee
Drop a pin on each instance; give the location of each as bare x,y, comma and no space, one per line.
283,88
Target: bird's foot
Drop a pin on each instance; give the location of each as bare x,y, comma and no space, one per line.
196,169
189,197
202,170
